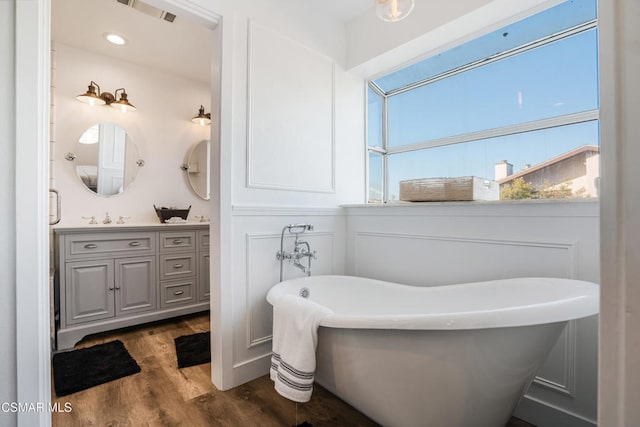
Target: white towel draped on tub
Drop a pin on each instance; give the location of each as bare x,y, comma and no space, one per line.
295,336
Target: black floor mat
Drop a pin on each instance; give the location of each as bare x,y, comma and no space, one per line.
193,349
88,367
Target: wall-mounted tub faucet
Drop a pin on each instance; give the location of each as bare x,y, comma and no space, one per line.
301,249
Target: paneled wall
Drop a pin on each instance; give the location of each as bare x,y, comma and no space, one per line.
300,122
256,237
442,244
296,149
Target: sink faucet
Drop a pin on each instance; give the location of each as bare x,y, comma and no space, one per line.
92,218
121,219
107,219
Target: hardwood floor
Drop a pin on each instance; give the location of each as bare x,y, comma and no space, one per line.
163,395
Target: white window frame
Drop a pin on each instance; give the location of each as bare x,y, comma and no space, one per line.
531,126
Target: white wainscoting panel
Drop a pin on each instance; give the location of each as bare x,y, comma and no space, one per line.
560,374
263,271
290,114
420,260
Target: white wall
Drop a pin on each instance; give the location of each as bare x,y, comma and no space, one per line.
440,244
256,237
619,36
292,150
161,128
8,385
300,120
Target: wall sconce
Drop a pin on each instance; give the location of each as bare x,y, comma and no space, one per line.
105,98
394,10
202,118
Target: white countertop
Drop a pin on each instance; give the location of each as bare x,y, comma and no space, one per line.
84,227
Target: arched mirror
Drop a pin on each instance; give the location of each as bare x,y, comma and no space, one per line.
106,159
198,169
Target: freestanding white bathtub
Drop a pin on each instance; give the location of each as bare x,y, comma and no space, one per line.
445,356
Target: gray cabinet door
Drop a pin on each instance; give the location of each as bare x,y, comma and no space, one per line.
89,287
135,285
203,276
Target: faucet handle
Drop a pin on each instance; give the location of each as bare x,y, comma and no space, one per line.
200,218
107,219
92,218
121,219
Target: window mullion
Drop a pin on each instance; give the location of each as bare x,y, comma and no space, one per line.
568,119
385,148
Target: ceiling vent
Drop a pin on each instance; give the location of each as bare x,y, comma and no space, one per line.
149,10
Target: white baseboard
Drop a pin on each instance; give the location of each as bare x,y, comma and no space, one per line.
248,370
542,414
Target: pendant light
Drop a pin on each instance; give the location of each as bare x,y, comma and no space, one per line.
394,10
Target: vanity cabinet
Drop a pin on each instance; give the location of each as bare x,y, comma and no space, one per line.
114,277
203,265
103,289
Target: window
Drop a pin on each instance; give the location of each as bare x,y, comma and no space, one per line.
517,107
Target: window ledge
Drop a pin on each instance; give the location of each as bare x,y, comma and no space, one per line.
528,202
589,207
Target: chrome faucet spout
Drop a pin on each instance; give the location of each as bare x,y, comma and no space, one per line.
300,266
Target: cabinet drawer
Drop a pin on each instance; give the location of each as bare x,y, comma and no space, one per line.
178,292
177,265
177,241
92,245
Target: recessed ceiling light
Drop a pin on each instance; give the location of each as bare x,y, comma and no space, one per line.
115,39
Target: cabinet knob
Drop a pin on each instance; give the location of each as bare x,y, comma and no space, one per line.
178,265
117,287
177,241
134,243
90,246
178,292
111,288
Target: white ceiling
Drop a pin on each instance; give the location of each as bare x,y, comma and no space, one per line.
182,47
345,10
